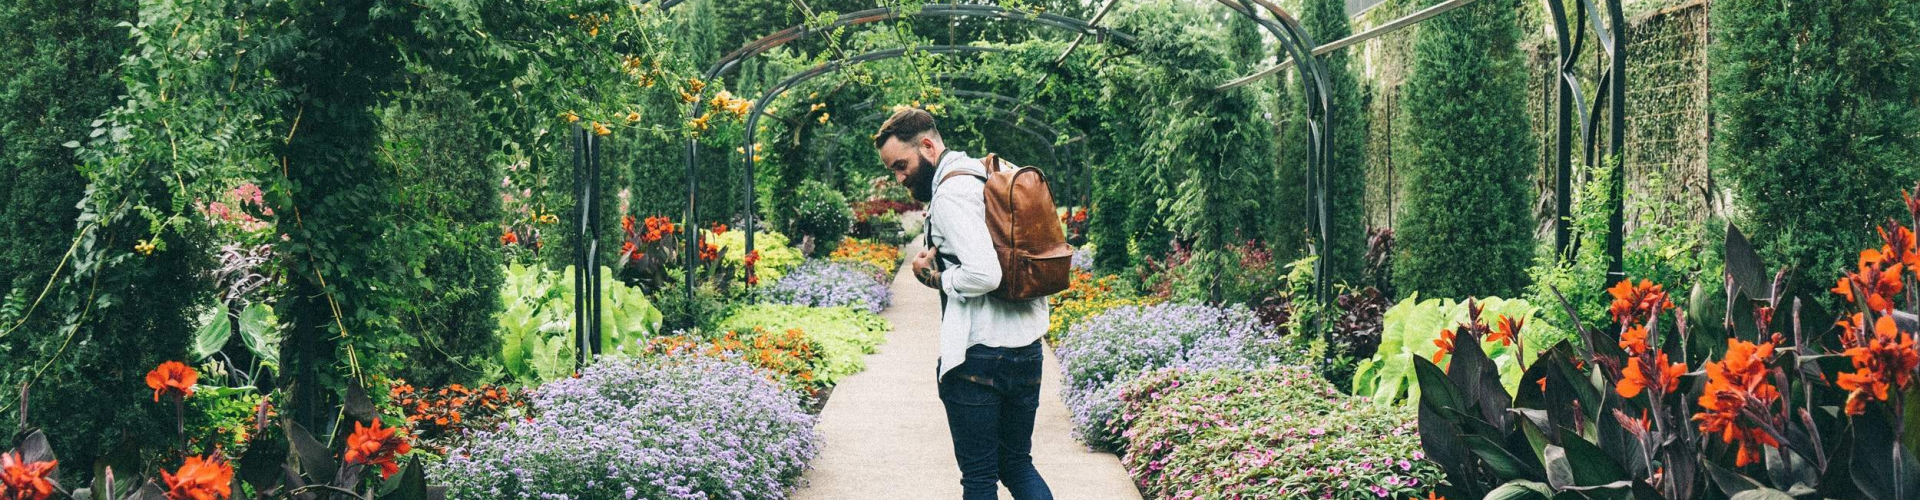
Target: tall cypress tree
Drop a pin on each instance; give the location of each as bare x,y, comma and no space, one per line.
1815,106
1326,21
1467,230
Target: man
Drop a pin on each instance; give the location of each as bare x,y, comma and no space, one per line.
989,369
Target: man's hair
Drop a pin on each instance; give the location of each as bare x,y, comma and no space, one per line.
906,124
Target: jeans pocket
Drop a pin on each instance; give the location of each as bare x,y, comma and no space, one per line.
961,389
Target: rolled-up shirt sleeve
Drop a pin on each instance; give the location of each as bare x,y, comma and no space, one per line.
959,214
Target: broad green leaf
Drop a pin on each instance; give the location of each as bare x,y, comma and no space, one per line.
213,334
260,330
1762,494
1520,489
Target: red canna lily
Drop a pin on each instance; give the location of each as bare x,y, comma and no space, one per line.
208,478
376,445
508,238
1634,340
1885,362
1734,384
1635,304
1506,330
1635,378
20,480
172,378
1879,280
1445,343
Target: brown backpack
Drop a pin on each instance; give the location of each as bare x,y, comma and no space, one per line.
1035,259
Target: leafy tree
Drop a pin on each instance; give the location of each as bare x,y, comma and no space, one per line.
1816,103
62,73
1326,21
1466,229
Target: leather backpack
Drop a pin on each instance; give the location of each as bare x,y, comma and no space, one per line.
1035,259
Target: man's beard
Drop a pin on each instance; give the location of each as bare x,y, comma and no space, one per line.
920,182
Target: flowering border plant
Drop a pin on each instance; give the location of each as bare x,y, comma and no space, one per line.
1655,408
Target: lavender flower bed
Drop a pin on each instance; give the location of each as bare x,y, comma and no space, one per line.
822,283
677,427
1101,353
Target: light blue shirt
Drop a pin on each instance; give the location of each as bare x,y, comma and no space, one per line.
958,228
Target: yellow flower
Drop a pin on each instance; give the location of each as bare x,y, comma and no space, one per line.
633,116
646,82
740,107
824,117
699,124
695,85
601,130
756,158
570,117
916,104
549,219
688,98
936,108
817,106
815,95
145,247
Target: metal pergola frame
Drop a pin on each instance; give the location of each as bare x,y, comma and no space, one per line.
1294,39
1284,27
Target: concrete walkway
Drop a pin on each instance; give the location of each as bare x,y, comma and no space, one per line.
886,435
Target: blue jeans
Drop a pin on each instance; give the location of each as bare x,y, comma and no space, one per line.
990,400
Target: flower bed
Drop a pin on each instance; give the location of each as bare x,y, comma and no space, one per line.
821,283
884,258
776,253
845,335
1111,348
672,427
1086,296
1279,432
788,356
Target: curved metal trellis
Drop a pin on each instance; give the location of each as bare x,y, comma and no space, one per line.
1612,37
1284,27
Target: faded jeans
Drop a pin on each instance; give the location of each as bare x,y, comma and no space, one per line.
990,400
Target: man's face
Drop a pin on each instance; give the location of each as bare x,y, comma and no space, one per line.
911,166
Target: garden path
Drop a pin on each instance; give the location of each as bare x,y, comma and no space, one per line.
885,431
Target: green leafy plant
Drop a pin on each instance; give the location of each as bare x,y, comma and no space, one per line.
1649,408
845,335
536,321
820,214
1414,328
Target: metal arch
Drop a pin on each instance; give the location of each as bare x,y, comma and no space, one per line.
1571,38
753,119
1320,123
1288,30
1355,39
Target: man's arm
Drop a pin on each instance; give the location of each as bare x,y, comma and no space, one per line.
960,212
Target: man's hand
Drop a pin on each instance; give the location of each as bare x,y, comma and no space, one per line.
923,269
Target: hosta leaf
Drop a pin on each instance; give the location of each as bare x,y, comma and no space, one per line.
213,334
260,330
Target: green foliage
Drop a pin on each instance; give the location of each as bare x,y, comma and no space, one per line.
845,334
536,331
1412,326
1814,105
1581,277
1267,433
1347,184
777,254
1466,229
436,141
820,212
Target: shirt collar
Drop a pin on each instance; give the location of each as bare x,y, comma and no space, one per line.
950,161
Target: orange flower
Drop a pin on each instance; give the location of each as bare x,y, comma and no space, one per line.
1634,340
627,249
172,378
376,446
508,238
25,481
1634,304
1886,362
1881,284
709,251
1506,330
1735,385
1899,245
1635,377
208,478
626,224
1430,496
1445,343
719,228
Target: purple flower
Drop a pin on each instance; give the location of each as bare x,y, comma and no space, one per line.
675,427
1104,351
821,283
